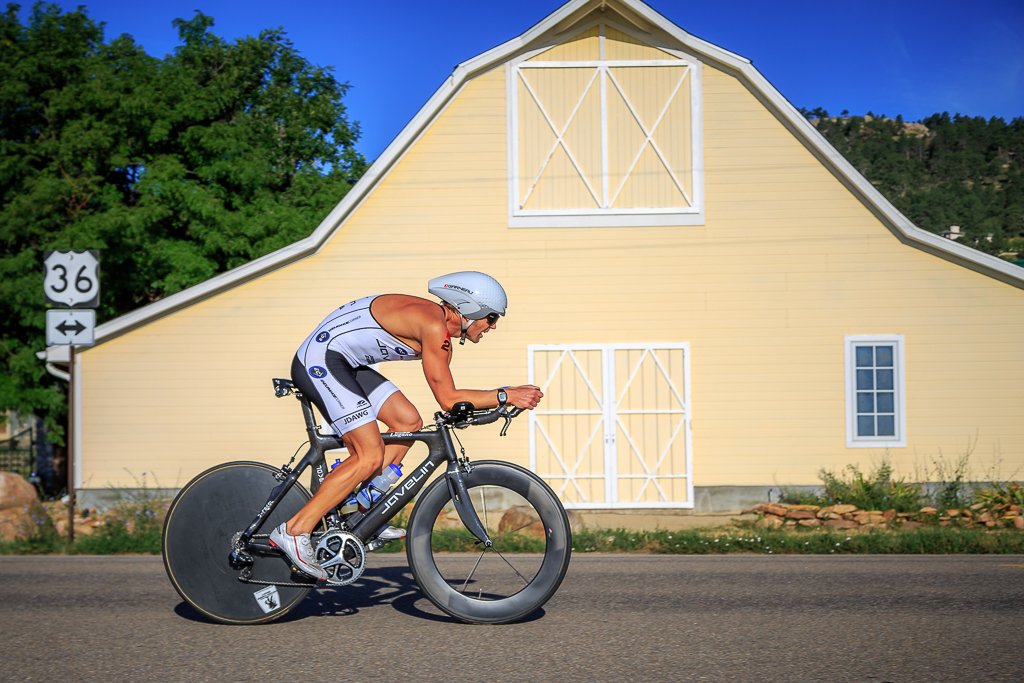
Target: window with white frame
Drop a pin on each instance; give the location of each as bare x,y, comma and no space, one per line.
875,412
605,130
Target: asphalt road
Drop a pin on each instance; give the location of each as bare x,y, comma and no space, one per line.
616,618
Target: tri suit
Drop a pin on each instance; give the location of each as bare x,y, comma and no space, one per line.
331,365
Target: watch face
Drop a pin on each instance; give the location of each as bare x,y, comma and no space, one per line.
502,396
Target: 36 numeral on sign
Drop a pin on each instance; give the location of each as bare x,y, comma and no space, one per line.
72,278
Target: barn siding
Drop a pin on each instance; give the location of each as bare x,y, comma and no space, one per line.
786,265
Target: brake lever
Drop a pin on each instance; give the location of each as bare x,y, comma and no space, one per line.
508,417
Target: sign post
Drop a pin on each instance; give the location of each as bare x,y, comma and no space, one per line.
72,280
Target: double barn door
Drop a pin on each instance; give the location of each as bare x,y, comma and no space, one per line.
613,430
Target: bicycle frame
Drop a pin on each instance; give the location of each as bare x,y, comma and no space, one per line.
366,525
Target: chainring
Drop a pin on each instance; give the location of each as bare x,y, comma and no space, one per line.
342,555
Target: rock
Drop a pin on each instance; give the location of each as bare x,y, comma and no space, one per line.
841,524
985,517
840,509
813,521
448,520
769,522
917,130
20,522
83,526
811,508
953,512
912,523
1018,523
521,520
889,515
775,509
928,511
13,523
15,492
801,514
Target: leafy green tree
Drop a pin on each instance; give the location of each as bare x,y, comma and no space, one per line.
176,169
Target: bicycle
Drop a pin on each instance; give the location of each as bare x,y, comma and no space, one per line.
220,564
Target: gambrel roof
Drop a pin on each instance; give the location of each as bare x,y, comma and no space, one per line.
644,19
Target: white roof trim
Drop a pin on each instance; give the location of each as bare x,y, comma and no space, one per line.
797,124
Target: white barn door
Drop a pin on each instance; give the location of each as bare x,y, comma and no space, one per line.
613,430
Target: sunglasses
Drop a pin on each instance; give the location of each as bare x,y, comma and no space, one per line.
492,318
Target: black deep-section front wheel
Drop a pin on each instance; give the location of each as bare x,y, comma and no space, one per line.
506,582
197,540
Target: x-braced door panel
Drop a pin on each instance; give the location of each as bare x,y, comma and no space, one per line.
614,427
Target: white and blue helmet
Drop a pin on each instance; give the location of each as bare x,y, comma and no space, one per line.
475,295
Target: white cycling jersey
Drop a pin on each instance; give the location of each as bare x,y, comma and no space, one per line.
331,365
353,332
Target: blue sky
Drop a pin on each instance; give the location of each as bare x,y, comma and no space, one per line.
913,59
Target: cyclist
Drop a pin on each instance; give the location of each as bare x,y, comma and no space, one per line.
331,367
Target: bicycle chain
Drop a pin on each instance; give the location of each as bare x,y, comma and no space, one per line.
260,582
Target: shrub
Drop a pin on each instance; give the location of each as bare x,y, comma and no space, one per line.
874,491
1001,494
116,537
799,497
951,489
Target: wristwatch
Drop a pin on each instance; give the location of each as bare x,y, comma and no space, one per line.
502,397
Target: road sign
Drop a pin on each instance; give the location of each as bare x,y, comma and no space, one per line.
72,278
70,327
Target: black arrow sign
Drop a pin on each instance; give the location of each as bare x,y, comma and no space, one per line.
64,327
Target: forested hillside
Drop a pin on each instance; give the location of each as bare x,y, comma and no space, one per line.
943,171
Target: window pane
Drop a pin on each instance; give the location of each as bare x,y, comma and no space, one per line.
884,379
883,356
885,402
864,357
865,402
865,426
865,379
886,425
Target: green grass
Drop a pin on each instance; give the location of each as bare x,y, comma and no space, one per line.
135,528
920,540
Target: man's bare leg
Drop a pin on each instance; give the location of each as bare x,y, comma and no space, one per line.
400,415
366,457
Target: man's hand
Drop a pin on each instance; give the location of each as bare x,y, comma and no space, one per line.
525,397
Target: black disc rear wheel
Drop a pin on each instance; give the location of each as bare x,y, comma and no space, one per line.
197,540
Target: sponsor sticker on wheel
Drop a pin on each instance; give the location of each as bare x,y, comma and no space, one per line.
268,599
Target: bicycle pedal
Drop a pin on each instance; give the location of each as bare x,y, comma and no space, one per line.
376,543
299,576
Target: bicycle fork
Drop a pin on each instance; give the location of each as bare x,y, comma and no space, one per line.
464,506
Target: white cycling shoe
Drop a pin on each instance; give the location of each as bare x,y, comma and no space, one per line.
299,550
391,533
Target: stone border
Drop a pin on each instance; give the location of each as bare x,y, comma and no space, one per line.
779,515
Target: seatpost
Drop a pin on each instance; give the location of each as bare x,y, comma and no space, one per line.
307,414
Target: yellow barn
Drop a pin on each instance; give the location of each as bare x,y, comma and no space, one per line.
713,300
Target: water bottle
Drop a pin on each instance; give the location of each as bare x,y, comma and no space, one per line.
378,486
